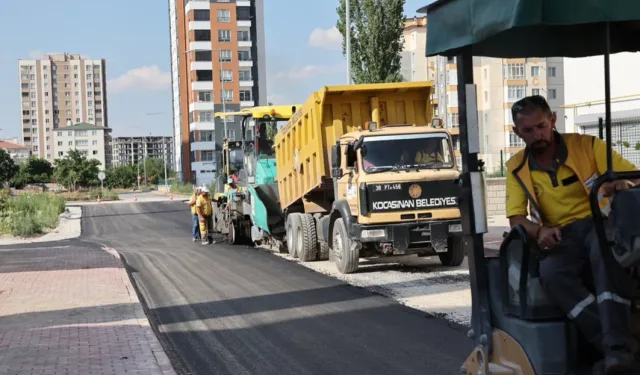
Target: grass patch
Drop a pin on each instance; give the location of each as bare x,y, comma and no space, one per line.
90,195
29,214
182,189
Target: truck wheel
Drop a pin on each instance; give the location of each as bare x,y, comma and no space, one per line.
346,260
292,220
306,238
455,252
231,237
323,251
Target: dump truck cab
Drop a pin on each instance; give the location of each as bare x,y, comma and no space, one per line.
398,183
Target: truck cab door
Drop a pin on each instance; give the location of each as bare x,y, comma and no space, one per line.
347,184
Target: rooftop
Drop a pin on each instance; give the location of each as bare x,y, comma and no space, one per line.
83,126
12,146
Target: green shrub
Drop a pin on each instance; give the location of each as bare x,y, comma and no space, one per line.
30,214
182,189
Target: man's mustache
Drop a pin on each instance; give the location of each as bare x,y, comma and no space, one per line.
541,143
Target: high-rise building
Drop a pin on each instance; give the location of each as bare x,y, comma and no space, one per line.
132,150
217,64
58,90
499,83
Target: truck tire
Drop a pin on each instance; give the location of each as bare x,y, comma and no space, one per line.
306,238
232,238
455,252
292,220
323,251
346,259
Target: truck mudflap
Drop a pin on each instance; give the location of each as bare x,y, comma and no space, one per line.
409,236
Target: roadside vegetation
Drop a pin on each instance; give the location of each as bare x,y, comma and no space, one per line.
29,214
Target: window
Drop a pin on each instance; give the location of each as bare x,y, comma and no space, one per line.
551,71
226,94
514,140
201,15
243,36
223,15
89,75
59,135
60,153
244,75
203,55
59,142
90,102
225,55
535,91
552,94
243,14
245,95
202,35
94,143
206,156
204,75
224,35
226,76
244,56
231,134
535,71
515,93
204,96
513,71
94,132
205,116
206,136
82,133
453,120
82,142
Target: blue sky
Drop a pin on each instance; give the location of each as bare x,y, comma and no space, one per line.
302,53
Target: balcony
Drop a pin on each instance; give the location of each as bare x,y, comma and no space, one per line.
199,25
201,65
201,106
244,23
248,83
247,103
245,63
197,4
200,46
202,86
199,146
243,3
202,126
244,44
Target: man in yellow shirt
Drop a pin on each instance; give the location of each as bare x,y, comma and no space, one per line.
550,181
205,211
195,227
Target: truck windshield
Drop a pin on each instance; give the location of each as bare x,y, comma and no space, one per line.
236,158
406,151
265,134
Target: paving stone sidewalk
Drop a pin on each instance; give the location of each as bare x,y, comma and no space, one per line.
70,309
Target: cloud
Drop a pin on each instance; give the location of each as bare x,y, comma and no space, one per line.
326,38
145,78
310,71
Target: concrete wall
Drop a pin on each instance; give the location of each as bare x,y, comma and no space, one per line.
496,196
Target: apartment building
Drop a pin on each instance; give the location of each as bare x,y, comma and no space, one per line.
217,64
91,140
132,150
16,151
58,89
499,83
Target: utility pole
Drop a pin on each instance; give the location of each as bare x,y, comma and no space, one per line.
348,39
144,160
164,152
224,100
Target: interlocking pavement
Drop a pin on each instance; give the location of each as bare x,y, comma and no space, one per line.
68,308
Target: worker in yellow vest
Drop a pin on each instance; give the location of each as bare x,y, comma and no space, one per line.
550,181
195,223
205,211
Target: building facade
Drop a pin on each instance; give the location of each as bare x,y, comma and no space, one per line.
499,83
132,150
58,89
16,151
217,64
92,141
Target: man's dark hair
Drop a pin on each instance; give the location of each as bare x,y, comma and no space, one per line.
529,104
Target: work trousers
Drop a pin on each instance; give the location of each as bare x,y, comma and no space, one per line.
603,318
195,226
206,226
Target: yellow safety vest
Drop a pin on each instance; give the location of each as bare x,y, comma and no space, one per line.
580,158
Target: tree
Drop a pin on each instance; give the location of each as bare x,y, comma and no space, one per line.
122,176
155,170
8,167
33,171
376,39
76,170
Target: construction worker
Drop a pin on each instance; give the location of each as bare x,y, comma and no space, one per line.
195,223
553,176
205,211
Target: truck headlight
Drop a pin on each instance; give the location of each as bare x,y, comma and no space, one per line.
373,233
455,228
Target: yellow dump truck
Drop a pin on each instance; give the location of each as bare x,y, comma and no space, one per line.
365,171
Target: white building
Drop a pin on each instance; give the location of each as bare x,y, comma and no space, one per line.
18,152
584,95
92,141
